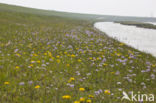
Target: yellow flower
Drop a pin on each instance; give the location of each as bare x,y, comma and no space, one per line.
153,65
58,60
88,101
100,44
31,65
66,97
37,86
90,96
38,61
35,55
105,64
18,55
107,92
45,53
97,58
17,67
82,99
49,53
81,89
79,60
118,54
73,55
76,102
90,58
121,44
57,56
65,52
71,79
112,72
6,83
67,65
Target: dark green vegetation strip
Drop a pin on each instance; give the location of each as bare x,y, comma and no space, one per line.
50,59
138,24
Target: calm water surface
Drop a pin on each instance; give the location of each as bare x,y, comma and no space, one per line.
138,38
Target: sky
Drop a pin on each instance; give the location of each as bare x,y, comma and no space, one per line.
140,8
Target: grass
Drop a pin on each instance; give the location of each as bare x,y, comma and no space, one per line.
53,59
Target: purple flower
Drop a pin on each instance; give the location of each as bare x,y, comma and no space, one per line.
117,73
21,83
70,85
30,82
152,76
98,92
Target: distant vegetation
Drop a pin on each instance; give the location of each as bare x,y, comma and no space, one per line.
55,59
138,24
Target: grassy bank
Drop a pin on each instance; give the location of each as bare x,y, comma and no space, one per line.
53,59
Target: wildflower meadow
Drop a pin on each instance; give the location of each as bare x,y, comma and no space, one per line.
50,59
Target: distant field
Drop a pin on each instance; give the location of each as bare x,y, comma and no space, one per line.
49,58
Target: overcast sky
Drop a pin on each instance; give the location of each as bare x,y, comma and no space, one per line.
108,7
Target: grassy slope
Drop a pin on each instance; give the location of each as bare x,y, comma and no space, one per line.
46,51
89,17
